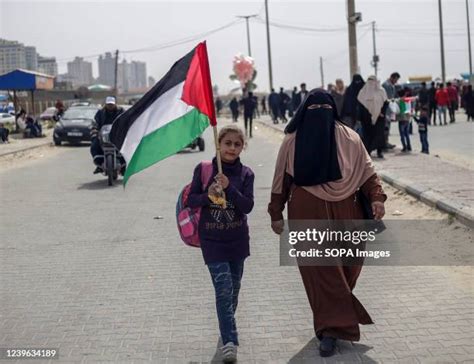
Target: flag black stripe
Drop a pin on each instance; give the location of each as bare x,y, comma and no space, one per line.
174,77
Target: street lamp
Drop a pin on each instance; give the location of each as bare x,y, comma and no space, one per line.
246,17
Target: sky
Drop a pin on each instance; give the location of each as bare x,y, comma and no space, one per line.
407,35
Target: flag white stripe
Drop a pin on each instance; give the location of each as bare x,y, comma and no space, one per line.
165,109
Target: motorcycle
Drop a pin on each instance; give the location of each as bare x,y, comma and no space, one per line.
114,163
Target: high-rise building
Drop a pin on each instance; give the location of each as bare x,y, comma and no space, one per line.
80,72
123,76
31,58
12,56
137,75
47,65
107,69
131,76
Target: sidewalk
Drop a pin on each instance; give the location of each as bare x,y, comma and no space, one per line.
436,182
18,144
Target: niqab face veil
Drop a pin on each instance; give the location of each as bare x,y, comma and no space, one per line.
316,160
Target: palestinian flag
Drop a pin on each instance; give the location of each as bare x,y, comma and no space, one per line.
169,116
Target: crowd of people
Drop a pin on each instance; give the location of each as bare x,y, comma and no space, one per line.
369,107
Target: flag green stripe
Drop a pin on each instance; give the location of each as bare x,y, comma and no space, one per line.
166,141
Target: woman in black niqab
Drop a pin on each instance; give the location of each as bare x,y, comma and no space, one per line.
316,159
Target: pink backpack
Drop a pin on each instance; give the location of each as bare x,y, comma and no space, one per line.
187,217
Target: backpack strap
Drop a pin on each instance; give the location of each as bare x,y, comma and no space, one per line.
206,173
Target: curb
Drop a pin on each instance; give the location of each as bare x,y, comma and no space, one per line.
25,149
463,213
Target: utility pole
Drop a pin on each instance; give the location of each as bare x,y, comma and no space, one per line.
270,75
246,17
322,71
352,19
471,77
441,36
375,57
116,72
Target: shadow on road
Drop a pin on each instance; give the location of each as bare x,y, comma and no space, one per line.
346,353
100,184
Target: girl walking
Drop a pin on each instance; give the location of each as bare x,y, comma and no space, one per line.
223,229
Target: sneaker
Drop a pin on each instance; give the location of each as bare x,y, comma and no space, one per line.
98,170
229,352
327,347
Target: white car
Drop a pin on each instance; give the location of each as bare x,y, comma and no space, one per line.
7,118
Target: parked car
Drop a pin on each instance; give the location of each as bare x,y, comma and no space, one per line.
49,113
7,118
75,125
81,103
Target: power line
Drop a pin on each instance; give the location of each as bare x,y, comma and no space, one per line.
161,46
304,29
183,40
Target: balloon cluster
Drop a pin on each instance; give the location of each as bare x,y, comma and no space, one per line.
243,68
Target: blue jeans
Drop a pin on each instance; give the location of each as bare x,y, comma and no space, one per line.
226,277
442,110
403,127
424,142
97,152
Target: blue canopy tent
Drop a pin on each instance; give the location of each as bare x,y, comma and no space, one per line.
23,80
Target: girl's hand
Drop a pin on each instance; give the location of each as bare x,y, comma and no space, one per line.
277,226
378,210
222,180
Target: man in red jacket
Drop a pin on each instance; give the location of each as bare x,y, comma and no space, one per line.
442,100
453,101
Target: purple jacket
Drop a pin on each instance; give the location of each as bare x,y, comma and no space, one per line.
224,234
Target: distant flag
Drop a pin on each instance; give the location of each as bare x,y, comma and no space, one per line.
169,116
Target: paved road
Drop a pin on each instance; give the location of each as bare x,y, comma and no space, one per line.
89,269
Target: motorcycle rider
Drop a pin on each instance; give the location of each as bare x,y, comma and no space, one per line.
104,116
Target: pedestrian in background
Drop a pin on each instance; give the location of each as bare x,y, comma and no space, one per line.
294,100
274,103
391,91
256,112
321,165
234,109
338,95
469,103
423,97
284,102
249,105
432,103
350,106
374,102
264,106
442,100
302,94
453,101
59,107
404,123
422,122
218,106
4,133
223,231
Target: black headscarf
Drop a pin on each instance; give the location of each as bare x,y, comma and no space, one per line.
315,143
349,106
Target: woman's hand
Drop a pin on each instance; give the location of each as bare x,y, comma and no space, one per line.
277,226
378,210
222,180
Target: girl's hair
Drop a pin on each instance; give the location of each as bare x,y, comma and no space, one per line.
231,129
